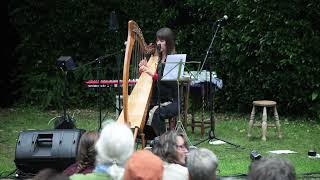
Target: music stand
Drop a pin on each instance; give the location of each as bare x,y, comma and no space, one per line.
173,72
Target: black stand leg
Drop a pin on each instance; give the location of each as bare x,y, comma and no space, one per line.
113,27
118,106
99,92
159,72
65,97
65,121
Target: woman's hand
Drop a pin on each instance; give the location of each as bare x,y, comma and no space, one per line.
145,69
142,68
143,62
143,65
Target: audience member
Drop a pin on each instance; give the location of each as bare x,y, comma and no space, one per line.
50,174
271,169
86,154
114,146
144,165
202,164
172,149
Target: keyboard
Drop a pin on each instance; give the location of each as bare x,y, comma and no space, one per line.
107,83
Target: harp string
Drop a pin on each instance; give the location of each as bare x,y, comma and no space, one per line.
137,55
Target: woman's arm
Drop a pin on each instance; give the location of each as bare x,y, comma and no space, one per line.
143,67
147,70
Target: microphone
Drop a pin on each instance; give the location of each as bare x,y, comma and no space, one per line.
159,53
159,58
224,18
159,48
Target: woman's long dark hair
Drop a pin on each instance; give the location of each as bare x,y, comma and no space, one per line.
167,35
86,152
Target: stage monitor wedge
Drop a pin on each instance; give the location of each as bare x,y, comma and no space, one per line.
39,149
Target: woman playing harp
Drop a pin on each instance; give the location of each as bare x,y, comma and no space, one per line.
135,104
163,93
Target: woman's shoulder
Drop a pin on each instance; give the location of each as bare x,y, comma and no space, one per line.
175,171
91,176
174,165
70,170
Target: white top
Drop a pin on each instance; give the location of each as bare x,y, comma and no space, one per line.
175,172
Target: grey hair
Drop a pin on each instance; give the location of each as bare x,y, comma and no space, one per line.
166,147
114,146
271,169
202,164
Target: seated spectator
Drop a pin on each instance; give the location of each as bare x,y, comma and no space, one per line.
86,154
144,165
50,174
202,164
172,149
114,146
271,169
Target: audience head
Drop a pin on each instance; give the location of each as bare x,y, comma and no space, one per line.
271,169
114,146
202,164
50,174
144,165
172,148
86,150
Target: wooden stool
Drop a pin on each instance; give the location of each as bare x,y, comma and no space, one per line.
263,124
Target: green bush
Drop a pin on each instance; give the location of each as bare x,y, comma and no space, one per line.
265,50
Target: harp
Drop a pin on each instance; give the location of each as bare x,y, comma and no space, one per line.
135,105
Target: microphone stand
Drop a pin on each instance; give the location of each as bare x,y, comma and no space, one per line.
66,117
65,121
98,67
159,72
103,57
211,133
114,27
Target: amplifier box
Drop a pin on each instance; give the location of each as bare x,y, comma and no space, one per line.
39,149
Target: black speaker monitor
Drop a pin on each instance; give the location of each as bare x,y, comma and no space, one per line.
39,149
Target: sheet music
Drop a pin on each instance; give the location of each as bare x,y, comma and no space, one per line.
173,64
203,76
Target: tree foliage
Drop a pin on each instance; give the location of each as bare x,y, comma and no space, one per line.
265,50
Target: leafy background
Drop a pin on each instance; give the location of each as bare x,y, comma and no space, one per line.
265,50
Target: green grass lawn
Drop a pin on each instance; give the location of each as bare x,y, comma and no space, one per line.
298,135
